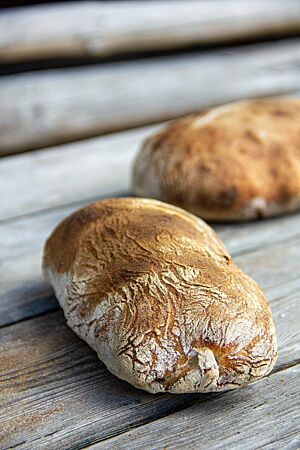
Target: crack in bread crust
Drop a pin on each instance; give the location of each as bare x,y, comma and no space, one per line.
154,292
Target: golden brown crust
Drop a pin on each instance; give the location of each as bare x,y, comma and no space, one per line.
153,290
235,162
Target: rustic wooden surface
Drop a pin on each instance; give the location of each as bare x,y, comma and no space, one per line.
93,28
198,426
48,107
54,392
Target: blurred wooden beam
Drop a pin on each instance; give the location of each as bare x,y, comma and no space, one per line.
68,173
93,28
44,108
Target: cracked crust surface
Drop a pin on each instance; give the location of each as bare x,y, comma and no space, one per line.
235,162
154,292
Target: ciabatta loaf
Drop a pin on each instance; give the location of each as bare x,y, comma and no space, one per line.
153,291
236,162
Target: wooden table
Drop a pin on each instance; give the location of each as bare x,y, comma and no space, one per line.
54,392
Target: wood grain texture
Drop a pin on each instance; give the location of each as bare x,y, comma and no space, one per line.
262,419
42,108
69,173
61,396
93,28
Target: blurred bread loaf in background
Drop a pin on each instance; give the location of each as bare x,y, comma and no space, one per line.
236,162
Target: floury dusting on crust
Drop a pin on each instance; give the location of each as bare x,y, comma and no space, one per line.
154,292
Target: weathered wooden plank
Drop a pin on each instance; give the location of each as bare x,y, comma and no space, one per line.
288,442
276,267
25,235
243,237
49,107
55,394
93,28
265,415
23,292
70,173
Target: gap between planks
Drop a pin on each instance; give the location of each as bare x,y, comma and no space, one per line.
258,419
70,173
48,107
67,174
93,29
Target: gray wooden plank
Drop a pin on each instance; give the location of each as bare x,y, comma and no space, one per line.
257,247
56,394
70,173
266,414
48,107
92,28
23,292
275,267
287,442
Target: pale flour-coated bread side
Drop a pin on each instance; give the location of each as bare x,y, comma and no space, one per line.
154,292
236,162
